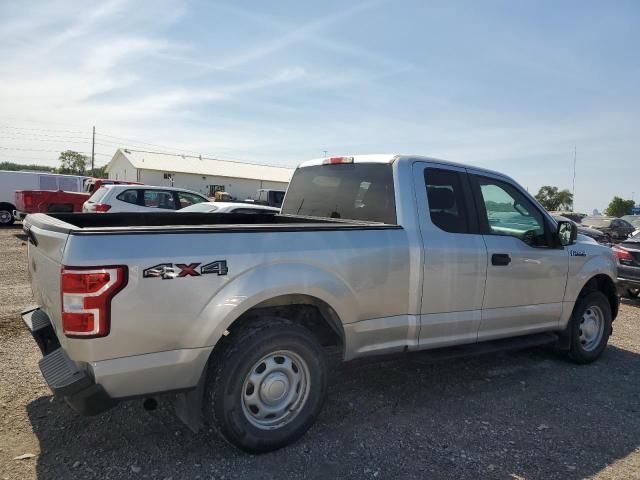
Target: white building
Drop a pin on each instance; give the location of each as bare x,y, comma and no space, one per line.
241,180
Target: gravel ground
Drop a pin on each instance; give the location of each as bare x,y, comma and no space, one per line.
525,414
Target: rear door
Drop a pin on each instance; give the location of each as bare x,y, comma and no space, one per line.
526,273
455,256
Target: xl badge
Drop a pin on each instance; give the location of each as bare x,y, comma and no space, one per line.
169,271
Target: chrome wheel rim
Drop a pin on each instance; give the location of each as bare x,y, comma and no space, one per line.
591,328
275,389
5,216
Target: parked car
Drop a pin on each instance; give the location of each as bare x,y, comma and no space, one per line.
229,207
10,181
140,198
242,318
628,255
575,216
616,228
597,235
57,201
633,220
273,198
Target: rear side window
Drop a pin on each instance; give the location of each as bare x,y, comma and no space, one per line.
159,199
357,191
98,195
447,205
129,196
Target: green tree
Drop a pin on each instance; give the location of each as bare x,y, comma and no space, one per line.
551,198
100,172
20,166
619,207
73,163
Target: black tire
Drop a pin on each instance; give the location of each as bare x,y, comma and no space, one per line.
228,381
597,302
633,292
6,216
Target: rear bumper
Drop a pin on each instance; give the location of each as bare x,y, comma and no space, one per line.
626,283
62,375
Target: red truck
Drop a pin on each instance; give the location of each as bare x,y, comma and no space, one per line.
58,201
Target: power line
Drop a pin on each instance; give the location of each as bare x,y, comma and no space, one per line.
48,151
42,129
42,135
139,142
3,137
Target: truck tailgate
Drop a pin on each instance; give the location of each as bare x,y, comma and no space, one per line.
45,255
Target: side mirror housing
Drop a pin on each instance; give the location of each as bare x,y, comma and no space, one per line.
566,233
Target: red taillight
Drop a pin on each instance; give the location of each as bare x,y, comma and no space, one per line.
28,200
101,207
622,253
86,299
336,160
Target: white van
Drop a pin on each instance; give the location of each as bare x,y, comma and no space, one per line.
11,181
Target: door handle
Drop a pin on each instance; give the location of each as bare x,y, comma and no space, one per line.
500,259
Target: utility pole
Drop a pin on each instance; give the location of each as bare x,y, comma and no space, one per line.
325,153
93,155
573,186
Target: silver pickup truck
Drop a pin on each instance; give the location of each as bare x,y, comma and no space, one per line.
241,316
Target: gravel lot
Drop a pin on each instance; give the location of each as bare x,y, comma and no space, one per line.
517,415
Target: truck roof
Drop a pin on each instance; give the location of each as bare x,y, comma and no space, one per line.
394,157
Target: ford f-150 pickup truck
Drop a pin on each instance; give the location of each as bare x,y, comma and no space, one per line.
240,316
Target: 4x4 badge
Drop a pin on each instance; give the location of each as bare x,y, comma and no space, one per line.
169,271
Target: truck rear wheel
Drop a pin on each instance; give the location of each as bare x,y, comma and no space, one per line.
590,327
268,385
6,215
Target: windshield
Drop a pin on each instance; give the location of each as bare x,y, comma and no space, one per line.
199,207
360,191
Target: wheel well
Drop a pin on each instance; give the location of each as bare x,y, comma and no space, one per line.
8,206
310,312
604,284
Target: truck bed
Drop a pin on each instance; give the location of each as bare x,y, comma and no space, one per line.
176,222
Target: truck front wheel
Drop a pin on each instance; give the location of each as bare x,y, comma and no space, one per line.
590,327
268,385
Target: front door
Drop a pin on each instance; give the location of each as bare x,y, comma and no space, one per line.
526,271
455,257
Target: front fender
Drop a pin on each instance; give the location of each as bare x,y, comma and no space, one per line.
266,282
599,261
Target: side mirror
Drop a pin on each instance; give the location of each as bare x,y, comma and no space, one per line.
567,233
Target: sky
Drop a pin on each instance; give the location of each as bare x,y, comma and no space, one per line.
508,85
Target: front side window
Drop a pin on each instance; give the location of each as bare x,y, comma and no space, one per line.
445,195
159,199
508,212
187,199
